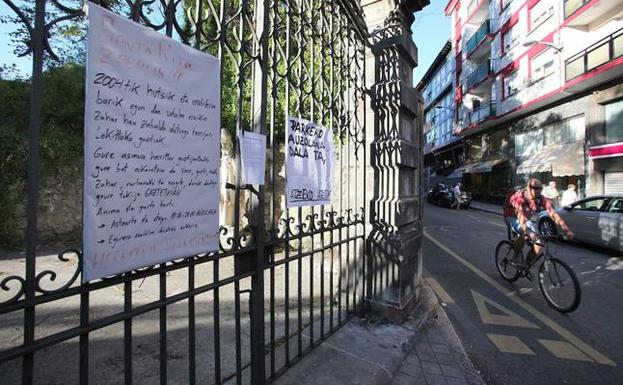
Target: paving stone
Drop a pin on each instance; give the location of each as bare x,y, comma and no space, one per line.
427,356
435,337
403,379
421,381
440,348
423,347
451,371
431,368
456,381
413,359
412,370
445,358
433,379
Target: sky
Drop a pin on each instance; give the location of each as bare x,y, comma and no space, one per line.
431,30
6,52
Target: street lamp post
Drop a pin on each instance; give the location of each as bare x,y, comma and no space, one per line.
531,43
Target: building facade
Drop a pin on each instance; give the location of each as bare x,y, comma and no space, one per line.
538,92
437,90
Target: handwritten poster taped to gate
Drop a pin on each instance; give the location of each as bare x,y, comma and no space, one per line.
152,148
309,163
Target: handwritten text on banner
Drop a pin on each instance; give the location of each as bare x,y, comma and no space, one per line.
152,134
310,162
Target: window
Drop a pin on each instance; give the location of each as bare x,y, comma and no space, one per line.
510,38
528,143
565,131
511,84
505,3
594,204
540,13
542,65
616,206
430,136
614,122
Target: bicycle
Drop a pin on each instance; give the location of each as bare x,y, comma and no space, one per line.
557,281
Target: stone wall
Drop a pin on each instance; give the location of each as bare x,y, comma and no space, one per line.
60,210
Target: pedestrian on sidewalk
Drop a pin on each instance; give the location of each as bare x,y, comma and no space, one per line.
551,193
569,196
457,195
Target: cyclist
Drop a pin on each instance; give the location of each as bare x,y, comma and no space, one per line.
527,203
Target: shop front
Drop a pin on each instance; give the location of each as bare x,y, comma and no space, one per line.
562,163
489,180
607,165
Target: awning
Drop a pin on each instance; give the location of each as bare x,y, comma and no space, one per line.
459,171
486,166
559,159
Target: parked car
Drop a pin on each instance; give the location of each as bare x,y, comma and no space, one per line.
443,195
596,220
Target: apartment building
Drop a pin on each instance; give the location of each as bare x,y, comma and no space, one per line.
538,92
440,145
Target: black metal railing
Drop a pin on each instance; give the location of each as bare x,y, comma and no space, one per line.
478,75
480,35
481,113
598,54
278,284
570,6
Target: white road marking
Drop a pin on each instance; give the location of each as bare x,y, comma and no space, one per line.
507,318
564,350
510,344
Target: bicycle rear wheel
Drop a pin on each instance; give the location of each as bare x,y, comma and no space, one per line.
503,255
559,285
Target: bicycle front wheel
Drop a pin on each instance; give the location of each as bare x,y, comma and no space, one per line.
503,256
559,285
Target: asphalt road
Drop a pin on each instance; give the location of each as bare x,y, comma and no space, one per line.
508,330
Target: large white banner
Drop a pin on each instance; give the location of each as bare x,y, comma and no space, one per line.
152,136
309,163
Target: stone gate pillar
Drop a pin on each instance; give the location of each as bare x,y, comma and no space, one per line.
394,243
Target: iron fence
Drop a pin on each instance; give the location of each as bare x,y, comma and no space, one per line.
282,279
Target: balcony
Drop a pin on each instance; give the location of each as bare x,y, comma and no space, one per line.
478,75
481,113
473,47
577,14
600,53
428,147
573,5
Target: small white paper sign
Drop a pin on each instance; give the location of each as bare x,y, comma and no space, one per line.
253,156
309,163
152,156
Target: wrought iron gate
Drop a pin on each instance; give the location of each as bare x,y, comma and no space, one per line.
283,279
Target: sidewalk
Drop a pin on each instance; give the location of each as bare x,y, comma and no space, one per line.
488,207
424,350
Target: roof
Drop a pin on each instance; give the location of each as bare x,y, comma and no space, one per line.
438,62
